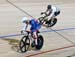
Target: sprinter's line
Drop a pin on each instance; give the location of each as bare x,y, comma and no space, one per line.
4,36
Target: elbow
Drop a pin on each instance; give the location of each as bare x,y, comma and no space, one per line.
48,14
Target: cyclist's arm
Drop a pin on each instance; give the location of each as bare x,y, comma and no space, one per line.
25,27
48,12
52,13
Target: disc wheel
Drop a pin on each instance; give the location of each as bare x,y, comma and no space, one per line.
40,42
24,44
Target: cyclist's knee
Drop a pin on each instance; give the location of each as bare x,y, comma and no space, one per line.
35,35
57,13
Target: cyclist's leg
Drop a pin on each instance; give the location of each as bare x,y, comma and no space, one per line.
45,19
53,16
57,13
35,37
50,19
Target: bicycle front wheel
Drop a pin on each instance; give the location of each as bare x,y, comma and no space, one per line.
24,44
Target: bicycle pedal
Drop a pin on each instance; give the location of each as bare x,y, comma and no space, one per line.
32,45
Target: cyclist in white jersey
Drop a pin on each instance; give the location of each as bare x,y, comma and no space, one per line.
51,12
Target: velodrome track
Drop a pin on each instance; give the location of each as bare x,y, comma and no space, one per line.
58,42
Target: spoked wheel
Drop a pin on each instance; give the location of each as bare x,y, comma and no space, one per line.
42,19
54,22
40,42
24,44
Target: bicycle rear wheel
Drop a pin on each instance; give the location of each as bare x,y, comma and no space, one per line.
40,42
54,22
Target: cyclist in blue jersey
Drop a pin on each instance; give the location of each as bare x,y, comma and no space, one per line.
35,26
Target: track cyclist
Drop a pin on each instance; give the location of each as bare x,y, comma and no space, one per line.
35,26
51,12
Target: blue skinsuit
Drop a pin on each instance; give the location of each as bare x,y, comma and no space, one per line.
35,25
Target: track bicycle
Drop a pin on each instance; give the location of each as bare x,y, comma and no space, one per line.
44,20
25,42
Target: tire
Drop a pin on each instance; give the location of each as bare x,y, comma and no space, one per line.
40,42
24,44
54,22
40,19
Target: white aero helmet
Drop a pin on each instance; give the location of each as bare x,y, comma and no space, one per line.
24,19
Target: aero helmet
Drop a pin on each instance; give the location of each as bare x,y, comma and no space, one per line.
24,19
49,7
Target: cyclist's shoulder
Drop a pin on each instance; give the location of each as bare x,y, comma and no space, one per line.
32,21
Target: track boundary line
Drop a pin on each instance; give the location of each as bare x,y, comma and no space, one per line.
43,52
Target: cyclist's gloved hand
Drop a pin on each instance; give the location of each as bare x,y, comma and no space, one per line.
23,32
